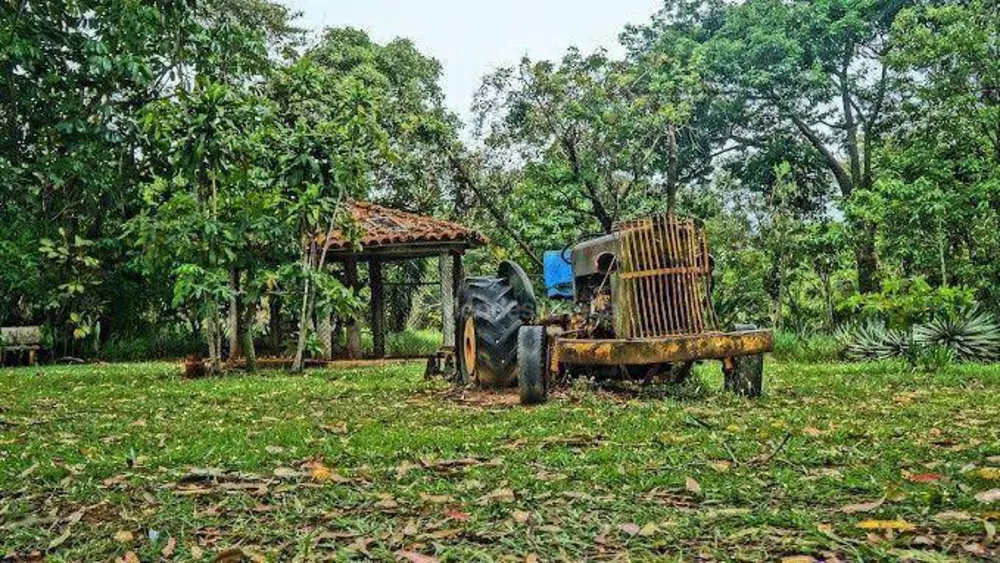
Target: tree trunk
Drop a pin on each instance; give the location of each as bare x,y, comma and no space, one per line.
245,323
235,316
274,307
305,312
866,257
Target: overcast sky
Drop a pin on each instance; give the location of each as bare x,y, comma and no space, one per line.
473,37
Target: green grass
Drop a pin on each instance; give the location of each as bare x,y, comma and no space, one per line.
91,457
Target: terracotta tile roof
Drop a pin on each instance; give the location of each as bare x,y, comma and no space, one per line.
382,226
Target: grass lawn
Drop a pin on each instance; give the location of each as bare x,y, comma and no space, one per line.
837,461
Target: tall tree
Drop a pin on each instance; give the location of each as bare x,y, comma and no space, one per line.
815,69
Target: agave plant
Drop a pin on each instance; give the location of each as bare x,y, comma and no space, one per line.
972,335
871,340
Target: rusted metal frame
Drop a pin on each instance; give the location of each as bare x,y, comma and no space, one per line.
707,281
695,294
682,306
630,285
660,279
661,272
653,303
671,280
679,348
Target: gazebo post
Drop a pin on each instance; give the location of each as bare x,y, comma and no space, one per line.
353,327
445,266
378,307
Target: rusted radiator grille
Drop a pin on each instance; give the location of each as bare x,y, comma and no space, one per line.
665,278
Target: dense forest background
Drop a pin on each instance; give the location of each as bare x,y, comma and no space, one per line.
162,162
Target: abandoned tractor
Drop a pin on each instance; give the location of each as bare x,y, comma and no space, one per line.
642,311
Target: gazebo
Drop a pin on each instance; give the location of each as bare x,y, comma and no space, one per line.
390,235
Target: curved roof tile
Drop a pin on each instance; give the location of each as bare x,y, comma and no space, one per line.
383,226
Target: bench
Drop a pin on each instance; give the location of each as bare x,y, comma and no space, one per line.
18,342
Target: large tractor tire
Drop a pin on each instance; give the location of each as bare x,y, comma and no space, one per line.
488,320
744,375
532,352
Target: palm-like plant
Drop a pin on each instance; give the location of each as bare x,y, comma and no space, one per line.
972,336
873,341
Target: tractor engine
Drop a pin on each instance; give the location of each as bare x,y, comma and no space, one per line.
648,279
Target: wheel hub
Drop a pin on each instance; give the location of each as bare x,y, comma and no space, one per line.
469,345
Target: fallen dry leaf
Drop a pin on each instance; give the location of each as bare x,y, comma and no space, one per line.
521,516
27,471
436,499
387,504
988,473
953,515
414,557
692,486
721,466
124,536
168,550
286,473
924,477
231,555
499,495
898,524
62,538
131,557
649,529
630,529
863,506
990,496
457,515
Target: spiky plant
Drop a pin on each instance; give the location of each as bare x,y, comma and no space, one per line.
871,340
972,335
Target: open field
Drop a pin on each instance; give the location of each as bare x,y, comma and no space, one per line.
847,461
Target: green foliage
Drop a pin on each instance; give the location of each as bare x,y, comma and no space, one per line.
905,302
811,348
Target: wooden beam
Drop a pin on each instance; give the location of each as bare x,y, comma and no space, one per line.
353,328
378,307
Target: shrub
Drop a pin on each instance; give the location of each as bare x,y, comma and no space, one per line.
872,341
971,336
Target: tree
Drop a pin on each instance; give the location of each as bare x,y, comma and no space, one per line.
329,137
204,216
815,69
941,158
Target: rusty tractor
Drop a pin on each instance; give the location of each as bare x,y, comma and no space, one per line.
642,311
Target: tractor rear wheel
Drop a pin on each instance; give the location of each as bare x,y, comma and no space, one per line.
532,352
489,317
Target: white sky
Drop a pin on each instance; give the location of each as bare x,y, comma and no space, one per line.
473,37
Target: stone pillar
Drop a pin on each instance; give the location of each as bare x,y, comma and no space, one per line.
353,328
378,307
447,298
324,331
